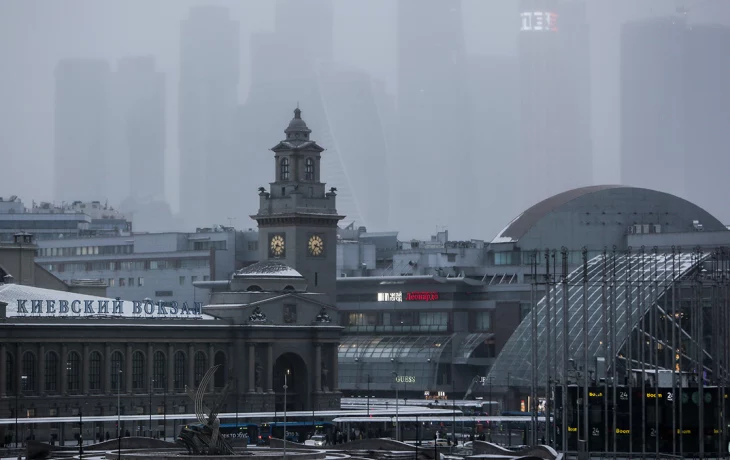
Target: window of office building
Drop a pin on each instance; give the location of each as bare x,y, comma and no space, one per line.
433,318
9,372
483,321
363,319
182,280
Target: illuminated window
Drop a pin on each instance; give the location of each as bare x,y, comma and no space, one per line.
180,371
51,383
137,370
284,169
117,370
309,169
158,377
73,371
95,371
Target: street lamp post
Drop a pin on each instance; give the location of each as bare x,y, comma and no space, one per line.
81,433
150,404
285,387
397,403
17,394
368,395
119,413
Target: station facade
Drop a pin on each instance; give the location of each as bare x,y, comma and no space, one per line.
73,354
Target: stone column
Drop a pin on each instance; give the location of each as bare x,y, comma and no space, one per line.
251,368
128,371
170,368
3,369
335,369
41,369
317,367
85,369
270,368
64,372
107,377
150,367
211,363
191,367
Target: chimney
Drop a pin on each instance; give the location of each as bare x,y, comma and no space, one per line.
8,279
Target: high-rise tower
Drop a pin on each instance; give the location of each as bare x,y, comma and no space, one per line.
555,129
297,218
208,97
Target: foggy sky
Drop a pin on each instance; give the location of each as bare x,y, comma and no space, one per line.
36,34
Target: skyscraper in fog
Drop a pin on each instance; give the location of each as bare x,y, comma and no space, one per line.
555,134
294,64
81,128
675,109
208,95
137,131
433,145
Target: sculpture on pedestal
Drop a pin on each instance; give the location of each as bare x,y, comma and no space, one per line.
205,439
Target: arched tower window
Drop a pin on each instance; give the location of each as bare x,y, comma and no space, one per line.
29,367
309,169
158,374
9,372
180,370
137,370
117,371
73,371
95,371
51,366
284,169
219,379
200,367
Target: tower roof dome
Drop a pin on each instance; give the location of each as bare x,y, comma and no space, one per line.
297,125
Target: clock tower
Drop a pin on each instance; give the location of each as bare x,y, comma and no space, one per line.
297,217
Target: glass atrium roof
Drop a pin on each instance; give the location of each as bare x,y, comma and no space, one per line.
633,283
399,347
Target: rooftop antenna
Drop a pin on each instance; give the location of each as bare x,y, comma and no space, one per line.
230,221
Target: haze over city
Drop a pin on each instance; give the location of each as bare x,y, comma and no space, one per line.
434,113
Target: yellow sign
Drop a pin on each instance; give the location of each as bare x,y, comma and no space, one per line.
572,429
621,431
595,395
684,431
654,395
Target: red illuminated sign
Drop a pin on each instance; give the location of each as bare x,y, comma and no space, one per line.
422,296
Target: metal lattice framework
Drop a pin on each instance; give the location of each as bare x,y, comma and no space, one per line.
621,318
206,439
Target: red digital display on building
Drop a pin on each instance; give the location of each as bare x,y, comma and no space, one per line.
422,296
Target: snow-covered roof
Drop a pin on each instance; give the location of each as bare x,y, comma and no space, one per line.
267,269
34,302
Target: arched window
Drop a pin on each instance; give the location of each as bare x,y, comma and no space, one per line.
309,169
137,370
219,379
200,367
95,371
9,372
158,372
254,288
117,371
284,169
51,366
29,368
73,371
180,371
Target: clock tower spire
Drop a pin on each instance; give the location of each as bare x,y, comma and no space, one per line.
297,217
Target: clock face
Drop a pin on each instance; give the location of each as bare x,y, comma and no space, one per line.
277,246
315,245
